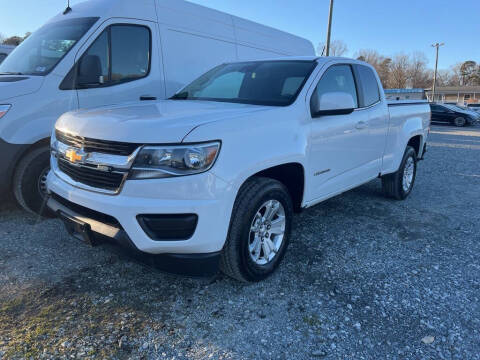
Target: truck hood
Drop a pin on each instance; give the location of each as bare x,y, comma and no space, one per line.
12,86
167,121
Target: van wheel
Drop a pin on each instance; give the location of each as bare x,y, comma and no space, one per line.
459,121
259,230
400,184
30,181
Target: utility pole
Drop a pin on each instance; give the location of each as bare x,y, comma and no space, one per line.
329,29
437,46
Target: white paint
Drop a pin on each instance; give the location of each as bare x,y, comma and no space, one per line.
187,40
254,138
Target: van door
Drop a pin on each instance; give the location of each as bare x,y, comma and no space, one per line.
339,144
121,63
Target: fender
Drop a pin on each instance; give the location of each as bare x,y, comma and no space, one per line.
245,152
400,132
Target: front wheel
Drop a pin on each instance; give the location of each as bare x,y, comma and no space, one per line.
459,121
259,230
30,180
400,184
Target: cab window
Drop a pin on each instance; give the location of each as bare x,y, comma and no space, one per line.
369,86
338,78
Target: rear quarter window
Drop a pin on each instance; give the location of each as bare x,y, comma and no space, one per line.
368,86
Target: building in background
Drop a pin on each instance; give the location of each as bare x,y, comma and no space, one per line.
405,94
456,94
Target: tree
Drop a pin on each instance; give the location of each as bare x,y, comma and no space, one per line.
470,73
418,75
383,71
379,62
398,76
337,48
15,40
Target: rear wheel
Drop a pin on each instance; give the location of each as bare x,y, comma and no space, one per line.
30,180
459,121
259,230
400,184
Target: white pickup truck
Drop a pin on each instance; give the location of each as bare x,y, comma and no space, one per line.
213,175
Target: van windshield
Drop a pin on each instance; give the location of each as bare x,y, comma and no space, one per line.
272,83
44,49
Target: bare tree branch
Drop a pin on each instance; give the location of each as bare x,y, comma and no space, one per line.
337,48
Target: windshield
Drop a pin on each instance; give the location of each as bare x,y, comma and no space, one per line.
44,49
273,83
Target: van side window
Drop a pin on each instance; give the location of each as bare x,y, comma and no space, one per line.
130,52
369,86
120,53
337,78
100,51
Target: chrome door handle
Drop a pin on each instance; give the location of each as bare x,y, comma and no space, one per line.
361,125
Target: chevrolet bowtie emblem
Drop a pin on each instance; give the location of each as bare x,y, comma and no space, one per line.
74,155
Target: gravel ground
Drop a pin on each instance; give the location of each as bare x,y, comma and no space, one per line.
364,278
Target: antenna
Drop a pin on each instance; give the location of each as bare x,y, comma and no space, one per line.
68,9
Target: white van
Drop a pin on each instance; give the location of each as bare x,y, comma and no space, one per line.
106,52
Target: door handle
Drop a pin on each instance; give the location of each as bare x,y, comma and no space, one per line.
147,98
361,125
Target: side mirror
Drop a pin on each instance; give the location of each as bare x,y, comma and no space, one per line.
90,71
332,103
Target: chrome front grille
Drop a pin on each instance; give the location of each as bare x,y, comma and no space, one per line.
90,176
96,165
93,145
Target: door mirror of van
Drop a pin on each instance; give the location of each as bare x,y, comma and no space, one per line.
90,71
332,103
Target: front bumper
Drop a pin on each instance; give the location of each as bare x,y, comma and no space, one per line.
88,228
205,195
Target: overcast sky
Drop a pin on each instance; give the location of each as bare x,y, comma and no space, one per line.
389,26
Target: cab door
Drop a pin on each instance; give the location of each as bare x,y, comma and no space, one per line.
339,148
121,63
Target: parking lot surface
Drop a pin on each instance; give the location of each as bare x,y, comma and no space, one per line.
365,277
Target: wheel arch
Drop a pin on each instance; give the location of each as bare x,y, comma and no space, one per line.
416,142
292,176
26,149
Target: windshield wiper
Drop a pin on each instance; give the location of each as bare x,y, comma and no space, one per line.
11,73
180,96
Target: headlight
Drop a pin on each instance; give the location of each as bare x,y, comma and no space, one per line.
4,109
153,162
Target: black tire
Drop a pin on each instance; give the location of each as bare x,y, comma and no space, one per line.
460,122
393,183
236,261
27,180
